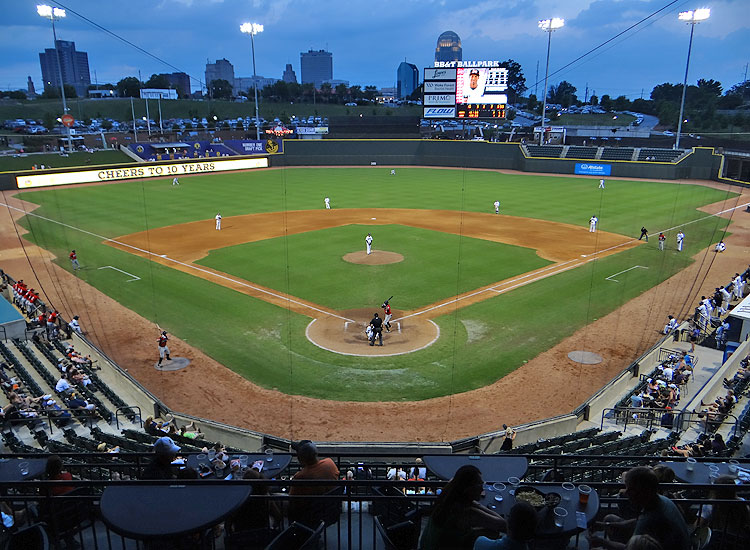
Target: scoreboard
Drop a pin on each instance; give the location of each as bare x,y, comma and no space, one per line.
472,89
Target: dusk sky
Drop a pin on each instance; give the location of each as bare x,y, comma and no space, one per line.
369,39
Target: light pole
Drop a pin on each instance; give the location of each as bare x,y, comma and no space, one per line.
56,13
692,17
252,29
548,26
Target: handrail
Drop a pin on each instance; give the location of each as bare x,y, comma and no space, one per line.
125,411
650,415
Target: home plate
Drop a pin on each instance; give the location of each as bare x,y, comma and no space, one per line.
176,363
585,357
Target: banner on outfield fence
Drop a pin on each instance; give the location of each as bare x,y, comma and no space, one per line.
588,169
137,172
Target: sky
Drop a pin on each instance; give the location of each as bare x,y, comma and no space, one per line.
369,39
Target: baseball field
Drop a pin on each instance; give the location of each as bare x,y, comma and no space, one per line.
282,293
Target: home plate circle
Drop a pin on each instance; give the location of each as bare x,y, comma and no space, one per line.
585,357
176,363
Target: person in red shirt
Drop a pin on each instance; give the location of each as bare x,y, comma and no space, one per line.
388,315
163,347
74,260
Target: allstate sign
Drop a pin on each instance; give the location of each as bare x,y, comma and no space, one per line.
593,169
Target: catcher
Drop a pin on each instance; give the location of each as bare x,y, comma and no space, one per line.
388,315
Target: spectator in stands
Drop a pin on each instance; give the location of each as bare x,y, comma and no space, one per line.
191,431
104,448
458,518
717,445
152,427
659,517
262,515
160,467
77,403
725,517
54,472
74,325
419,470
510,435
522,521
312,468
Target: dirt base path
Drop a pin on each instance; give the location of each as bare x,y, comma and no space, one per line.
548,385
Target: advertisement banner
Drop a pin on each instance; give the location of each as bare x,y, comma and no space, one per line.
589,169
440,74
439,99
311,130
440,87
439,112
136,172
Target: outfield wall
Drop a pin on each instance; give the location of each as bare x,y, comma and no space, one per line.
701,163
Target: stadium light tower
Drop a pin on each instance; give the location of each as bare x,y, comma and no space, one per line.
56,13
548,26
692,18
252,29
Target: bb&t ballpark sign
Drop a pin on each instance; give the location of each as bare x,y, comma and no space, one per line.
454,64
139,172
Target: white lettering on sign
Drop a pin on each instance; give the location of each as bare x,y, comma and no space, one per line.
439,99
452,64
439,112
440,74
444,87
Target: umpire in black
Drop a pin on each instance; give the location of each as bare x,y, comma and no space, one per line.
377,330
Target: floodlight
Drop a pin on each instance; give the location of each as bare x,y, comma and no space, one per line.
48,11
551,24
251,28
695,16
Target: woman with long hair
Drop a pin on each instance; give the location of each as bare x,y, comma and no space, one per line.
458,518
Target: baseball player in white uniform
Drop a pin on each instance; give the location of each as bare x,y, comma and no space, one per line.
393,172
592,224
496,204
368,243
739,286
680,238
601,184
328,203
175,182
218,222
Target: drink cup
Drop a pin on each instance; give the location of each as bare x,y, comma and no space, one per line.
513,482
211,455
201,458
269,455
733,466
568,489
243,462
584,491
23,467
690,464
498,487
560,515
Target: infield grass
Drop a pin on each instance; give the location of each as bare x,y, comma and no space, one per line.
479,344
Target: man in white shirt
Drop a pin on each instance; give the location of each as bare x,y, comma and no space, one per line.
473,92
496,204
63,386
368,243
592,224
726,297
75,326
672,324
739,286
601,184
218,222
328,203
175,182
680,238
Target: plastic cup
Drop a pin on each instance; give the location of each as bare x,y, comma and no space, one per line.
499,487
690,464
584,491
733,466
211,455
23,467
568,489
269,455
560,515
201,458
514,482
243,462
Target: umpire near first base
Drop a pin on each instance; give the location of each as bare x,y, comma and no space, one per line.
377,330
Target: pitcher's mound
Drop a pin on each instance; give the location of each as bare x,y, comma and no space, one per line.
348,337
377,257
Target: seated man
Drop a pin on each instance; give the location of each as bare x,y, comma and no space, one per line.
312,468
659,517
160,467
522,522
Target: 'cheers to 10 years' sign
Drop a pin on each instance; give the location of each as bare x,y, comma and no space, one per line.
136,172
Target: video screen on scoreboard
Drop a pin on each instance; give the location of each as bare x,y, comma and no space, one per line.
481,85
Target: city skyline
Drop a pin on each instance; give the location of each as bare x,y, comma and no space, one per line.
185,33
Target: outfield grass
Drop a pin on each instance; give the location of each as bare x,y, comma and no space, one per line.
479,344
9,163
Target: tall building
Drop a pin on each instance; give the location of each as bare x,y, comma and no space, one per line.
180,82
317,67
289,76
448,47
221,70
30,90
74,66
407,79
245,83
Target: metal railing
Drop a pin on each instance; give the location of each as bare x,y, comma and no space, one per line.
643,416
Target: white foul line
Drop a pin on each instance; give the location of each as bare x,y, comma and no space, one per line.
135,277
189,266
624,271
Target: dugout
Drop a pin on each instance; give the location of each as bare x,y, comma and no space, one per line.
739,321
